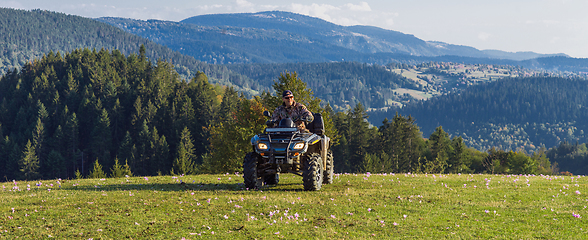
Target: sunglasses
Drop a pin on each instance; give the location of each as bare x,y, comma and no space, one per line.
288,97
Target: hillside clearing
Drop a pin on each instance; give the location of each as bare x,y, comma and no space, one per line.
419,95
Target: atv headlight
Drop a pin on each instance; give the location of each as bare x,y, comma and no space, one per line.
262,146
299,146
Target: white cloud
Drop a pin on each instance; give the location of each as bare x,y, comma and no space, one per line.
554,40
345,14
209,8
363,7
316,10
484,36
269,7
11,4
244,4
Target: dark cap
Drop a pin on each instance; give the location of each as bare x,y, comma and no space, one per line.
287,93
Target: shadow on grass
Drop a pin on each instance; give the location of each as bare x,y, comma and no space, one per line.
183,187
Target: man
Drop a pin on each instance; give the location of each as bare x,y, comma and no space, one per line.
293,110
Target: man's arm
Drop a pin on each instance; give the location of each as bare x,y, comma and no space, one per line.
276,115
304,113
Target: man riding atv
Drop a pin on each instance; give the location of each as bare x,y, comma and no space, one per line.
293,110
285,147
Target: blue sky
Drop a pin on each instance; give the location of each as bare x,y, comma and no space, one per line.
543,26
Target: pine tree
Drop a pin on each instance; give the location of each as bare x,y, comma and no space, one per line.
78,174
457,158
13,159
159,152
101,138
3,157
341,153
97,171
39,141
414,142
119,171
137,117
228,105
184,162
117,122
359,137
125,151
204,100
395,140
55,166
127,169
144,151
72,141
441,149
57,142
29,163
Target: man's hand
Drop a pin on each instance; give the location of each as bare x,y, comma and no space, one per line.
270,123
300,125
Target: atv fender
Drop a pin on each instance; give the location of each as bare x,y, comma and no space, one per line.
325,143
254,140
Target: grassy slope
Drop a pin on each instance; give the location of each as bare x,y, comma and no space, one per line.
355,206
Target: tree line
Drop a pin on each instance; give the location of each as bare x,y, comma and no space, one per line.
398,146
99,113
570,157
61,114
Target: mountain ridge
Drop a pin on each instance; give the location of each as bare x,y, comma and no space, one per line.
344,35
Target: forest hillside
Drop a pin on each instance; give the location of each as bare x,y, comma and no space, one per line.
512,113
28,35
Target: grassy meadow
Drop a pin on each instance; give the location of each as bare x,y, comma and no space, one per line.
355,206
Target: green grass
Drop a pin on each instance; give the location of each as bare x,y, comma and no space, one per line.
423,206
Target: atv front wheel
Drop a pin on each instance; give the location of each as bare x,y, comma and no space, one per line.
312,175
272,179
328,174
250,171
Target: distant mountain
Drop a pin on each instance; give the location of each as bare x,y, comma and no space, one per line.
224,44
519,56
364,39
283,37
558,63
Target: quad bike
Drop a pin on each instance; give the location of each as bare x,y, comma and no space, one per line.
286,149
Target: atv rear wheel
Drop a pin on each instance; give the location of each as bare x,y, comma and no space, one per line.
250,171
312,175
328,174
